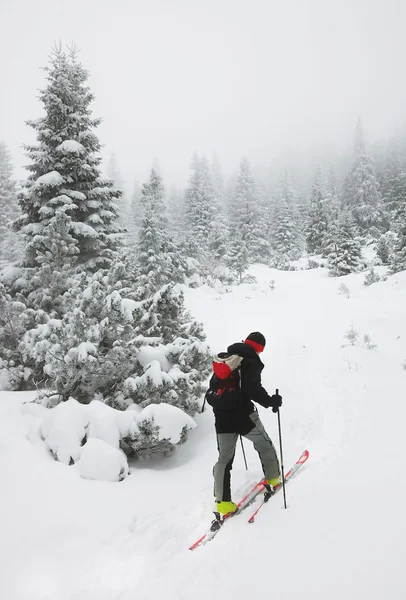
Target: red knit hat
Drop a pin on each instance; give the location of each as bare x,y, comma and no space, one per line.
257,341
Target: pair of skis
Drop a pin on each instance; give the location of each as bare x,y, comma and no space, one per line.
261,486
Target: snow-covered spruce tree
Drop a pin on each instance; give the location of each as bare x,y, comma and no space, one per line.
159,260
343,247
176,214
135,214
318,216
124,204
200,206
10,249
181,348
237,260
15,320
247,223
65,173
399,253
287,236
111,347
361,194
393,183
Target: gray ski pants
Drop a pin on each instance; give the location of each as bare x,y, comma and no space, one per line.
226,443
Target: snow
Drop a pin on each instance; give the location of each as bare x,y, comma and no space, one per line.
170,420
83,229
10,273
53,178
84,349
342,536
101,462
71,146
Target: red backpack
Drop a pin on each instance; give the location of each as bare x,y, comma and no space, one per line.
226,373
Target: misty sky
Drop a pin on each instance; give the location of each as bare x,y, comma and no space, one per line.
260,78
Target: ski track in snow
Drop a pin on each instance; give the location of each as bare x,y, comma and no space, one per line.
64,538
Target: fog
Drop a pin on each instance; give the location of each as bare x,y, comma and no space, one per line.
275,81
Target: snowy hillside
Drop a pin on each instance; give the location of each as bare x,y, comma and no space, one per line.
63,537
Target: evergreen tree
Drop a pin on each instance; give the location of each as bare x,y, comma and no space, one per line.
343,247
65,172
177,216
318,216
332,201
287,236
159,260
247,223
124,205
9,244
135,215
393,183
200,206
362,195
217,178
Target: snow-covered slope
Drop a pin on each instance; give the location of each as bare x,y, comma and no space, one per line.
63,537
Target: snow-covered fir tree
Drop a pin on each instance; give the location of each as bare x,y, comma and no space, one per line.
10,248
217,178
287,235
135,215
176,213
393,185
361,194
200,206
65,174
112,347
318,216
247,223
343,247
332,201
124,205
159,260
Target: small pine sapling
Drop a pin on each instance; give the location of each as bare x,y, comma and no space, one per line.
344,290
368,342
352,335
371,277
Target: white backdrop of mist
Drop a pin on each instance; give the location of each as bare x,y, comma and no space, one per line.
281,83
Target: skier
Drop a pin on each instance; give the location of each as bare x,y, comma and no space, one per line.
235,383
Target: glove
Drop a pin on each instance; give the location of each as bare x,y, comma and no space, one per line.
276,402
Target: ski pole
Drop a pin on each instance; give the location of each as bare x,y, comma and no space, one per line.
243,452
281,453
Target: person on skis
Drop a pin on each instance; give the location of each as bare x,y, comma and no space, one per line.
236,382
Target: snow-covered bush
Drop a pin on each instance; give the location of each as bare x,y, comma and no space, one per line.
343,247
312,264
69,427
102,462
126,351
344,290
368,342
371,277
352,335
15,320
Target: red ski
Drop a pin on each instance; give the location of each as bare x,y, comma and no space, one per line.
219,520
267,496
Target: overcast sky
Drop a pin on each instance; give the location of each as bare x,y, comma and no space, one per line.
237,77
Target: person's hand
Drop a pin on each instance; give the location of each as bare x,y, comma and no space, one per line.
276,402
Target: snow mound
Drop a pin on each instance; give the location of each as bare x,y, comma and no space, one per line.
71,146
100,461
68,428
52,178
64,430
170,420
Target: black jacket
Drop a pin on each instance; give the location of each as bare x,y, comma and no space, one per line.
233,408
